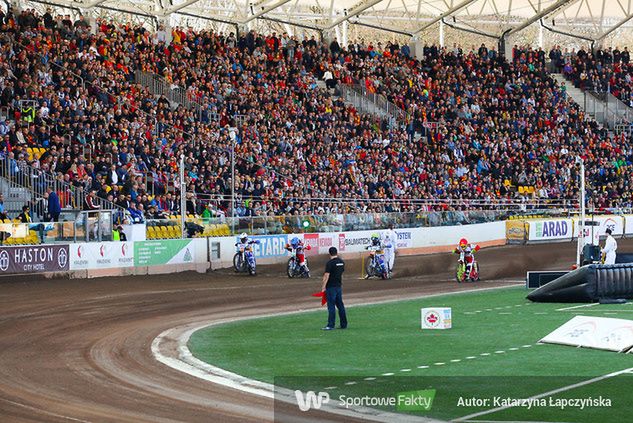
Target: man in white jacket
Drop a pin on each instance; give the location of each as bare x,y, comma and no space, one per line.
390,254
610,247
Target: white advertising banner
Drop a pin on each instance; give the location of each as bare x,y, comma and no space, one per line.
550,230
272,246
101,255
628,224
405,238
354,242
596,226
602,333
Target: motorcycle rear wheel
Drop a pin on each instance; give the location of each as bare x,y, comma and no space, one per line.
290,269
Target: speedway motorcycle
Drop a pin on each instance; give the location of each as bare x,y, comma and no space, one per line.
244,259
376,264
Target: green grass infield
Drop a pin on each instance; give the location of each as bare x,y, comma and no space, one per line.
485,368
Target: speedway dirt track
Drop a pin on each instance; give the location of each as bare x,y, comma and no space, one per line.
79,350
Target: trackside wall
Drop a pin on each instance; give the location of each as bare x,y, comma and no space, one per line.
567,229
98,259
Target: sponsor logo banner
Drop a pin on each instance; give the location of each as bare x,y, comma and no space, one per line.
405,239
550,229
311,240
167,251
515,230
34,258
270,246
100,255
319,243
353,242
596,226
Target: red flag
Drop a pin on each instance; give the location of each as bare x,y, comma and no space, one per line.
322,295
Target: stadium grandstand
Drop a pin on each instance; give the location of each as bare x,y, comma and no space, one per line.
188,187
218,115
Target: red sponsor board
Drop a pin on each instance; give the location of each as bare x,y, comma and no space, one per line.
313,241
341,242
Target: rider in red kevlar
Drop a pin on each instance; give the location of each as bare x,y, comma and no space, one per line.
296,244
466,251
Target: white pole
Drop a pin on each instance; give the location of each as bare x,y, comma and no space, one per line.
581,233
232,187
183,193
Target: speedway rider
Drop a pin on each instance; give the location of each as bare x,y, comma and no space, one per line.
376,244
244,243
466,251
297,245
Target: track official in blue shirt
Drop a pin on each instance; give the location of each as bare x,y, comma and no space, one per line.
332,286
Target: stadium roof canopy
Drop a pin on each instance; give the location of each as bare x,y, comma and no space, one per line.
586,19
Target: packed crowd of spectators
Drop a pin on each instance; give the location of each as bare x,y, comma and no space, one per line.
298,149
601,70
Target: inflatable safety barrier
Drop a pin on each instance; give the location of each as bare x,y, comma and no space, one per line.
590,283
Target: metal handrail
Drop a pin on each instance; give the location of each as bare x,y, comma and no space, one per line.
606,108
19,174
373,103
158,85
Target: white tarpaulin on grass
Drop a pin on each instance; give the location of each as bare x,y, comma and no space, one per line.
603,333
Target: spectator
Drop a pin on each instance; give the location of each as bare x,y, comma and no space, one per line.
3,214
118,234
54,207
135,214
25,216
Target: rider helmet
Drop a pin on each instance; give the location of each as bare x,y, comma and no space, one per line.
243,237
294,242
375,239
463,242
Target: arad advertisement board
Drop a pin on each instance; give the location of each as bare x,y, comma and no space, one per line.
552,229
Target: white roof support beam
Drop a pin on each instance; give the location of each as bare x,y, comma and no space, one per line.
93,4
357,11
178,7
265,10
616,26
78,6
449,12
545,12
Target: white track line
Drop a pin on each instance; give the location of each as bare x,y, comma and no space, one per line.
187,363
547,394
578,306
